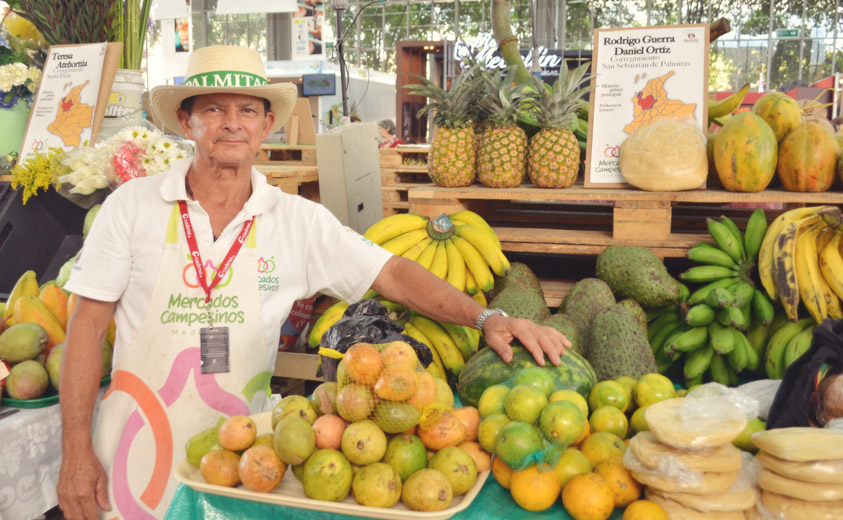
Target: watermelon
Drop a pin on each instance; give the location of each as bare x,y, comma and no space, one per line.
486,368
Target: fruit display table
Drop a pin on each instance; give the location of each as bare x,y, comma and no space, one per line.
30,456
493,503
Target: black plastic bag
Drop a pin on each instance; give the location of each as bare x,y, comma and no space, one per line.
366,321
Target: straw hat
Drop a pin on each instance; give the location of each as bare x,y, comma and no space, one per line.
228,69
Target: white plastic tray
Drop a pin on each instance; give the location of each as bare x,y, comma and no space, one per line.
290,492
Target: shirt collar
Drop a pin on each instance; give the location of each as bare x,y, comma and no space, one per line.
172,188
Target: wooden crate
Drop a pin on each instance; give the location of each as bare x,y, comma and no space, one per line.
303,154
398,177
582,221
297,180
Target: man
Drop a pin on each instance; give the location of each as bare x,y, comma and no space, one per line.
174,258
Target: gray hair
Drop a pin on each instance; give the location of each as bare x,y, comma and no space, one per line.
387,125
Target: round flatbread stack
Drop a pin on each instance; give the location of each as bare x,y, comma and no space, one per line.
808,491
695,423
794,509
708,484
819,471
676,511
739,500
651,453
801,444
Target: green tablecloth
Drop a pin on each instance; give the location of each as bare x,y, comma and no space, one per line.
492,502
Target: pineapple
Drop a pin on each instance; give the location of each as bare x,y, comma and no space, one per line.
553,158
503,149
451,161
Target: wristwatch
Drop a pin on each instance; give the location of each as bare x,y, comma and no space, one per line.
481,320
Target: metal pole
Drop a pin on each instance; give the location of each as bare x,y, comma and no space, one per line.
563,25
340,46
456,20
802,42
680,12
770,43
649,8
834,45
738,44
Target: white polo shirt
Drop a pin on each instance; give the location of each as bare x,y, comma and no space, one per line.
303,247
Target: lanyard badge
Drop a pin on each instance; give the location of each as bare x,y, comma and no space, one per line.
214,342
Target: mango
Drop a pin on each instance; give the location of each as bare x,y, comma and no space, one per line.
32,309
64,272
89,219
53,364
203,442
27,380
27,285
107,354
22,342
55,300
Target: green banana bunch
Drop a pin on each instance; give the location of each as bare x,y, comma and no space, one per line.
723,327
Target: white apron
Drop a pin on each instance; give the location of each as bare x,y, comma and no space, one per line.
158,397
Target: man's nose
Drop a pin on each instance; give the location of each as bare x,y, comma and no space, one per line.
231,120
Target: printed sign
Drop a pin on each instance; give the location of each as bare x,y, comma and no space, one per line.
642,74
65,113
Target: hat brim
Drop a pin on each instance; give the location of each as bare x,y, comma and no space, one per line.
166,100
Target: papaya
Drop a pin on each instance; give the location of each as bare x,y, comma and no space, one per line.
71,305
32,309
808,158
745,153
27,285
55,299
780,111
111,332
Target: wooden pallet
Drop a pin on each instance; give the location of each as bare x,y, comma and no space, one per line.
397,178
297,180
583,221
303,154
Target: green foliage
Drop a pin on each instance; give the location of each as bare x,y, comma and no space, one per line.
72,21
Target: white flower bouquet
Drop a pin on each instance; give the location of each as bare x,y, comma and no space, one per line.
135,151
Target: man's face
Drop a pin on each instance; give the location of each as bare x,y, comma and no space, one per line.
227,129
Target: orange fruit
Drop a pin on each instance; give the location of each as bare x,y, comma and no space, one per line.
238,432
488,430
608,393
535,488
363,364
637,423
562,422
628,384
502,472
644,510
470,417
653,388
570,464
570,395
599,446
537,377
609,419
588,497
584,435
525,403
396,383
492,400
399,353
425,391
626,489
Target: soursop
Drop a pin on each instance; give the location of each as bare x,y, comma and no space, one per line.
585,299
519,273
617,346
564,324
521,302
636,272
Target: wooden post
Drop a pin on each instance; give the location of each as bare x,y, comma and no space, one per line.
641,220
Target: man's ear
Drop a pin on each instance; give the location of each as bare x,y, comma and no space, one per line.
268,122
184,119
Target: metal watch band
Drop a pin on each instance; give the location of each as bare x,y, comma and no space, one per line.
481,320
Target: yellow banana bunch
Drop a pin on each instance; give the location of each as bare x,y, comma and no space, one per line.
460,248
440,341
800,262
724,107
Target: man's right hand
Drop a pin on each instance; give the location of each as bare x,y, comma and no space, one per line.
82,486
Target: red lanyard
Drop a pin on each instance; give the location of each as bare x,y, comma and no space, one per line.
197,259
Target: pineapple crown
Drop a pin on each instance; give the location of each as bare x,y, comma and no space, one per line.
452,108
501,99
557,107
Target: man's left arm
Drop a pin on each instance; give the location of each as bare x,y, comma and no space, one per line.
406,282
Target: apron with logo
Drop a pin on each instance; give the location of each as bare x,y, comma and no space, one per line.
158,397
